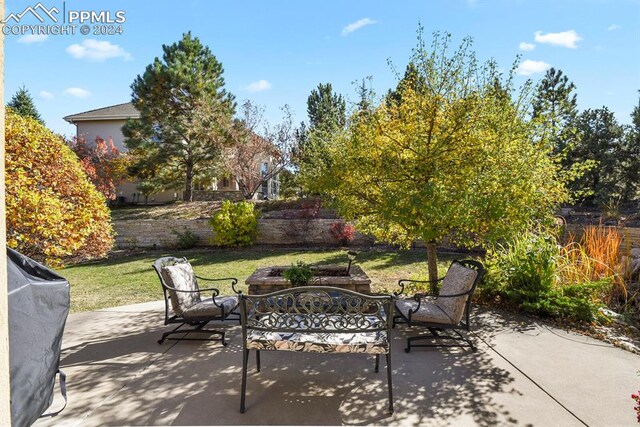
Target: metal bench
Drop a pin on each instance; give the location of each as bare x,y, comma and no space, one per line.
316,319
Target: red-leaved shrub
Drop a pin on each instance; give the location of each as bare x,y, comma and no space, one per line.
343,232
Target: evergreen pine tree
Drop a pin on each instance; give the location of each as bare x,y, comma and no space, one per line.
326,109
411,80
630,159
555,105
601,142
185,114
327,112
23,104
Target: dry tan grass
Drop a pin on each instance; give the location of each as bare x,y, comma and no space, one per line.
178,210
595,256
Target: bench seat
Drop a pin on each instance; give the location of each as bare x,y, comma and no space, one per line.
318,319
374,342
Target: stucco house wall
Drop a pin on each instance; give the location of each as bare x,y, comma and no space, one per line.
104,129
107,123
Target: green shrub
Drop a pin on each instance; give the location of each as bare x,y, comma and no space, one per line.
236,224
522,268
298,274
524,274
186,239
576,302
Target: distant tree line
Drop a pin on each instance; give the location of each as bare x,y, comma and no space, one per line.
189,132
599,157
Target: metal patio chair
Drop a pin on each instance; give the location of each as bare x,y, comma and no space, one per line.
184,303
444,312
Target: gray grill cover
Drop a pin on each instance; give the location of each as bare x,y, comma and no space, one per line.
38,308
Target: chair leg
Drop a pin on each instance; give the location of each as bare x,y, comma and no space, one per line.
245,361
398,318
199,329
258,359
411,340
467,340
377,363
173,331
435,336
389,383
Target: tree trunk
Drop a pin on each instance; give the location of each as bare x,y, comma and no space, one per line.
432,259
188,188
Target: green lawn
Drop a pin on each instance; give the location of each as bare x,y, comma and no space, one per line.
128,280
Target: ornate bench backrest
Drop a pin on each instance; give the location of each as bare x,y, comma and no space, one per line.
316,309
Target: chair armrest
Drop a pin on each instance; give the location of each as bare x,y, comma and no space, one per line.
233,280
216,290
401,283
424,295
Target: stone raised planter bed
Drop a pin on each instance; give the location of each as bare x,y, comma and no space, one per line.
269,279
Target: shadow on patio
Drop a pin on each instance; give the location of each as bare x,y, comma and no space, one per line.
118,374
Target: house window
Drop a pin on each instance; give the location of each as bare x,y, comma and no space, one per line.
265,183
275,187
225,182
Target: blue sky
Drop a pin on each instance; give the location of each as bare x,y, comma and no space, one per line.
276,52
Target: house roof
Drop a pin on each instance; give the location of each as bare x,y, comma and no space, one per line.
113,112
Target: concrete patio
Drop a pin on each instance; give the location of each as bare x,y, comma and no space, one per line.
524,373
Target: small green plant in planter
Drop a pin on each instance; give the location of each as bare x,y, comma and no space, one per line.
298,274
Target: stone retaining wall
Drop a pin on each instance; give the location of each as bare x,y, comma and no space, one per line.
273,231
161,233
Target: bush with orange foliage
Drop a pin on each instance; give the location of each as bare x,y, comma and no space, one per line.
101,162
53,211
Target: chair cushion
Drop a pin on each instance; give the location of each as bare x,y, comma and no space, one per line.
428,312
207,309
374,342
459,279
181,277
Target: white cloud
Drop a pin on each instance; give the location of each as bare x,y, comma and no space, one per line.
77,92
564,38
95,50
46,95
259,86
613,27
530,67
354,26
33,38
527,46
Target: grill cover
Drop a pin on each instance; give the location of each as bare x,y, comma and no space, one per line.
38,309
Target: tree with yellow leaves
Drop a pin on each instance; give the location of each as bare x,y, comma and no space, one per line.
449,155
